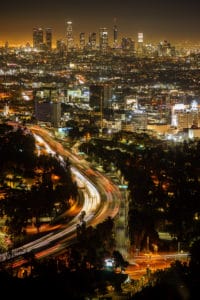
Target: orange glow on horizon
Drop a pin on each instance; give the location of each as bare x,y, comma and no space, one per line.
20,41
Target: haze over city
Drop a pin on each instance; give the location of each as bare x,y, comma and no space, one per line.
100,149
157,19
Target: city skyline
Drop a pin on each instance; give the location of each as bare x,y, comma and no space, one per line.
157,19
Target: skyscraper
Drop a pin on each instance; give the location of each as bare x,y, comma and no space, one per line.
55,114
48,36
100,96
103,39
115,35
93,40
61,46
82,40
128,45
69,35
38,38
140,42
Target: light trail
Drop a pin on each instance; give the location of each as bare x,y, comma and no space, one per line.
96,209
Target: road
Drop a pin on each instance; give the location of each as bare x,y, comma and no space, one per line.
139,264
101,200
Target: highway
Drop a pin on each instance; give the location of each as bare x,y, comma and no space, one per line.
101,200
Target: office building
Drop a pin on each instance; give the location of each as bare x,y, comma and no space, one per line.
128,45
38,37
47,106
100,96
82,40
69,35
185,116
56,114
92,41
48,36
140,43
61,47
115,36
103,39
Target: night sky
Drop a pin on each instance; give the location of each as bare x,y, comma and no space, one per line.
172,20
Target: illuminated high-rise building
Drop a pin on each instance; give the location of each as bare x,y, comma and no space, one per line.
6,110
61,46
93,40
128,44
48,36
69,35
115,34
140,37
82,40
38,37
140,42
103,39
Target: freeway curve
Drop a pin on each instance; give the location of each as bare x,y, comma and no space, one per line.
101,200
